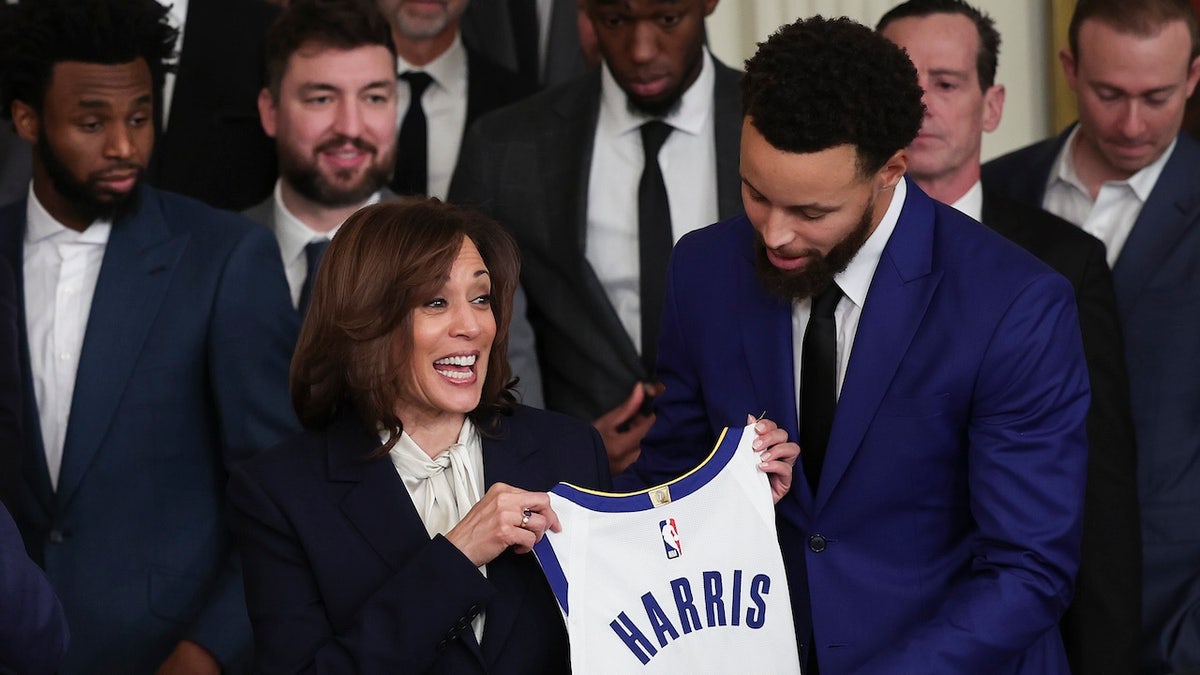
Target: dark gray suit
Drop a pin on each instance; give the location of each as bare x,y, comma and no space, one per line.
528,166
487,26
1157,281
522,354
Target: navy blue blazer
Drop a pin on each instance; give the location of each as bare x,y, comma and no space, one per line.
944,536
1157,281
342,577
183,373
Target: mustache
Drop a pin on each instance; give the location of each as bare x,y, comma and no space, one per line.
342,141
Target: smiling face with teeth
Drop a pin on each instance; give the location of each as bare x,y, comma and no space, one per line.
333,119
452,335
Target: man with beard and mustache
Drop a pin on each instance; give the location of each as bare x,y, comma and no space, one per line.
444,87
567,172
155,335
330,105
931,371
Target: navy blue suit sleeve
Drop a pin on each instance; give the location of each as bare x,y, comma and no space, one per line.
252,336
399,627
33,628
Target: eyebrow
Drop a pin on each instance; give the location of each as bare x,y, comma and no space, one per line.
813,206
950,72
103,104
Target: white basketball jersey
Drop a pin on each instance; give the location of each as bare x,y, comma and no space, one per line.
684,577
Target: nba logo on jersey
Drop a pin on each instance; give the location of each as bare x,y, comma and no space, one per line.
670,537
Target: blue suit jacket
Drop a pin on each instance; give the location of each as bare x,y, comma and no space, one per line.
944,536
342,577
183,372
1157,281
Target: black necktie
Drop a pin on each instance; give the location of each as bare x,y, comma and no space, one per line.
412,144
526,29
313,252
818,382
654,239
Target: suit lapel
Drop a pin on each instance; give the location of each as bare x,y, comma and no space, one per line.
898,298
567,160
766,327
139,263
1161,223
377,504
505,460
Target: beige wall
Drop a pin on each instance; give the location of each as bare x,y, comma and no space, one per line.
738,25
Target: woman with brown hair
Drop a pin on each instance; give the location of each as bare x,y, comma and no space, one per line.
387,538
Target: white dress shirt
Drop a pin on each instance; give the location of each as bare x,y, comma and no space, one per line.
445,105
443,490
60,268
971,203
1111,216
177,16
854,281
293,235
688,160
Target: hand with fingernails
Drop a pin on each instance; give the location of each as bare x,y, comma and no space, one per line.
506,517
777,456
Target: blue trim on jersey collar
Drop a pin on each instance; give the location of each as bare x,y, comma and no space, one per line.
612,502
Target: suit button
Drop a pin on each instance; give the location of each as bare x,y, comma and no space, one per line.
56,536
816,543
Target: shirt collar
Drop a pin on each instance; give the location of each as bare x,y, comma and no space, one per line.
293,234
694,109
1142,183
448,70
468,437
40,225
971,203
855,280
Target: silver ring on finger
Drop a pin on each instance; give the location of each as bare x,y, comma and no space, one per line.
525,514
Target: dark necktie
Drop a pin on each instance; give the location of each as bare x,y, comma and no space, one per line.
313,252
818,382
525,29
654,239
412,144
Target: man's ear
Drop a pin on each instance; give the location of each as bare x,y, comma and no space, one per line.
1067,59
26,121
993,107
893,169
1193,75
267,109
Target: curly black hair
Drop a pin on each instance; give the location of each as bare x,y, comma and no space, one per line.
819,83
988,57
37,34
339,24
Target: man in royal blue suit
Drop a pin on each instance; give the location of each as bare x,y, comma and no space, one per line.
1127,175
938,526
155,338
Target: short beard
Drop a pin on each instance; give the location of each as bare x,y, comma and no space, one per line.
82,196
793,285
306,178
